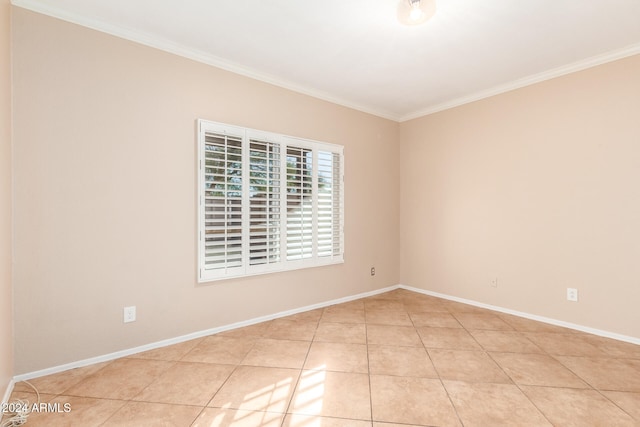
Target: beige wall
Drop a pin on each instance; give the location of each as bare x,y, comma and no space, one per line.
6,314
539,187
105,181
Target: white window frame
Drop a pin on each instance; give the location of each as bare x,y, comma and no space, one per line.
332,158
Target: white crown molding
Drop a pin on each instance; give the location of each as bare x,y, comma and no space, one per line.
193,54
203,57
527,81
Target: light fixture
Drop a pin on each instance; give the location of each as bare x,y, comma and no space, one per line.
415,12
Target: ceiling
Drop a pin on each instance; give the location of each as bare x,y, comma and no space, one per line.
356,53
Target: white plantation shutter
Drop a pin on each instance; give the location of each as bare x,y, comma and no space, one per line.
264,202
299,203
222,202
329,204
267,202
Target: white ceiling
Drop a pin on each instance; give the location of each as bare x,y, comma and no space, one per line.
355,53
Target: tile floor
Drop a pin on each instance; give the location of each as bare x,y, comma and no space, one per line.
395,359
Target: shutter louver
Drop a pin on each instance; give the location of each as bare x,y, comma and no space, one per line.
222,201
299,203
264,202
338,206
330,210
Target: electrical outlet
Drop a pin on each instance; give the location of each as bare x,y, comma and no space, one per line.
572,294
494,283
373,271
129,314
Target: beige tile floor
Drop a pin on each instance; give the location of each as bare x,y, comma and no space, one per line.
395,359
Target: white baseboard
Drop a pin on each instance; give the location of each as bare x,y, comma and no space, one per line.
183,338
204,333
7,393
543,319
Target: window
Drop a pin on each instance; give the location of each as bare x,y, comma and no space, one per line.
267,202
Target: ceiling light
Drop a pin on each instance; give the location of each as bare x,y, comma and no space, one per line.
415,12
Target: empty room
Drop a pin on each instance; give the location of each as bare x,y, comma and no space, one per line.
343,213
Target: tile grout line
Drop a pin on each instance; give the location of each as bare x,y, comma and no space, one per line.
438,373
304,362
509,376
235,368
366,342
597,389
520,388
485,351
552,356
